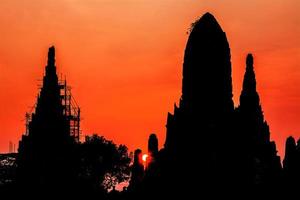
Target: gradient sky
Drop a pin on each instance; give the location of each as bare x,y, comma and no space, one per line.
124,58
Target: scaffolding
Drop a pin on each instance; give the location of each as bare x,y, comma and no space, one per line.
27,121
28,118
71,111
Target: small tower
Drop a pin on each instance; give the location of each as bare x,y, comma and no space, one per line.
137,172
152,149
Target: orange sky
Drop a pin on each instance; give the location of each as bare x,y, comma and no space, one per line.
123,59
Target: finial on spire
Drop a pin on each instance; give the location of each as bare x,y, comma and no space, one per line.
249,60
51,56
249,83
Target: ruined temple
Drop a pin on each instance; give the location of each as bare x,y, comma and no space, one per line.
210,145
211,148
206,85
200,127
257,160
46,149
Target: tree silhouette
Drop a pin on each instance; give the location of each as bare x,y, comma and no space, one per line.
103,164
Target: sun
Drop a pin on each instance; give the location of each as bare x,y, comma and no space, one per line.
144,157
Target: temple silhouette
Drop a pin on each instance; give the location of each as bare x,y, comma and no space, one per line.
212,148
46,149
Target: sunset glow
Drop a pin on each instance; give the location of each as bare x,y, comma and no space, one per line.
145,157
123,59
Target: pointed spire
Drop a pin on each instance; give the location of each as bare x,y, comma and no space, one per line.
50,75
249,83
51,56
249,97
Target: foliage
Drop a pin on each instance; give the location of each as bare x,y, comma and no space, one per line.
103,163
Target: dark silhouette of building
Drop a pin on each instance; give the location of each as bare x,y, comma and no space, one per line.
152,149
200,127
257,160
46,151
7,170
291,166
152,145
137,172
210,146
206,86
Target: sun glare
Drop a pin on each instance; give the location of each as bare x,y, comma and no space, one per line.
144,158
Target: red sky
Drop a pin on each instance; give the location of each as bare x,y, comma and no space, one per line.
123,59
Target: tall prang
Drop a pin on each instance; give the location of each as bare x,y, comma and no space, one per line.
49,116
258,161
45,151
207,84
249,98
201,124
212,148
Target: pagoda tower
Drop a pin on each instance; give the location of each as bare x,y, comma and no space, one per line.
200,127
258,155
45,151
